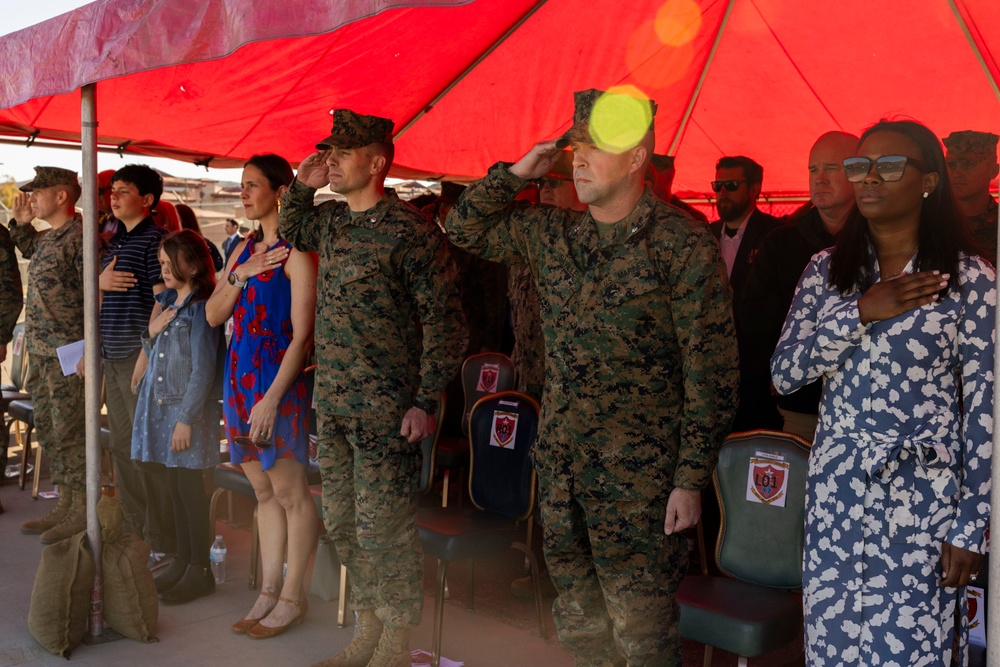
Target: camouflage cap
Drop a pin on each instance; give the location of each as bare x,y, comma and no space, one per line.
972,144
634,124
662,162
351,130
46,177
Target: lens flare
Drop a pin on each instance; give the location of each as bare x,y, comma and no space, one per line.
653,64
678,22
620,119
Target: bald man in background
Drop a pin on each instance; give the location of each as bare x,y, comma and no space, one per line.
780,260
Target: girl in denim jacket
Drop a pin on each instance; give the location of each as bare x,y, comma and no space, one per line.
177,417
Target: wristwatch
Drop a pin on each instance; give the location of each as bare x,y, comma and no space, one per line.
233,280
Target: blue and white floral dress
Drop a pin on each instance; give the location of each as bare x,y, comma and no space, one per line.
900,464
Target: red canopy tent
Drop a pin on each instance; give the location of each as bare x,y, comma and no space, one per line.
472,83
469,83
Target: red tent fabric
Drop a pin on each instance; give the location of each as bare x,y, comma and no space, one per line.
469,83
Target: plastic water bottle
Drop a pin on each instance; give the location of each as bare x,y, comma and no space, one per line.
218,558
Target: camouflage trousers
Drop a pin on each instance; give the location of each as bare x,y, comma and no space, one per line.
616,573
370,475
59,420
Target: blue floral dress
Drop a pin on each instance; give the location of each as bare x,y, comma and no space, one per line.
262,330
900,464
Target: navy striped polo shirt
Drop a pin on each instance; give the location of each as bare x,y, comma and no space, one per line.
125,315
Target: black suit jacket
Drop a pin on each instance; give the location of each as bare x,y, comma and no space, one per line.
757,408
759,225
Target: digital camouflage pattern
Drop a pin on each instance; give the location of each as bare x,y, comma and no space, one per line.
370,475
641,383
389,330
54,314
528,355
971,145
55,318
583,107
58,402
983,228
46,177
351,130
11,292
379,274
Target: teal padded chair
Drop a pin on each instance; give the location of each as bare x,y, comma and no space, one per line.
502,432
757,606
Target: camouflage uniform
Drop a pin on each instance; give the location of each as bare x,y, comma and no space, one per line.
641,378
11,294
55,318
983,228
380,272
978,147
529,344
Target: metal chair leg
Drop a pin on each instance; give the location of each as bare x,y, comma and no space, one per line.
212,507
35,476
342,601
438,613
708,656
25,454
444,487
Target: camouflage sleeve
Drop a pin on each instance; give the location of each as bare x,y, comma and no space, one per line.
433,281
11,295
702,317
297,218
487,221
25,237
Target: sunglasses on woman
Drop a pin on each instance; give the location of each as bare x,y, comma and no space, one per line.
888,167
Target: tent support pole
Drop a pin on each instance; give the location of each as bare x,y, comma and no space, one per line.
975,50
993,594
701,81
483,56
92,336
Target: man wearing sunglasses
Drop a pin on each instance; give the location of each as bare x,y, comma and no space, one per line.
972,166
740,229
640,380
780,260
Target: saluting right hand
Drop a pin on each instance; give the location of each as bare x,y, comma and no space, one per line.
22,207
889,298
538,162
116,281
312,170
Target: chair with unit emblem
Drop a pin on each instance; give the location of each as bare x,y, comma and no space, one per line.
502,431
482,375
17,406
757,607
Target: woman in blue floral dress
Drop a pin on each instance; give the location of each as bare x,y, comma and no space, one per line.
897,320
270,291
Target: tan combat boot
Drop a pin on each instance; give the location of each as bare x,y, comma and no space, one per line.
359,652
39,526
393,648
75,521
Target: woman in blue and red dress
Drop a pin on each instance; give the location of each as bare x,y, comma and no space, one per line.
270,291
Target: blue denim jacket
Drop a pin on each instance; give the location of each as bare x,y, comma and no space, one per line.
186,359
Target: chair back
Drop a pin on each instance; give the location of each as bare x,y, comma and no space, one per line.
760,482
18,376
482,375
502,432
428,448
